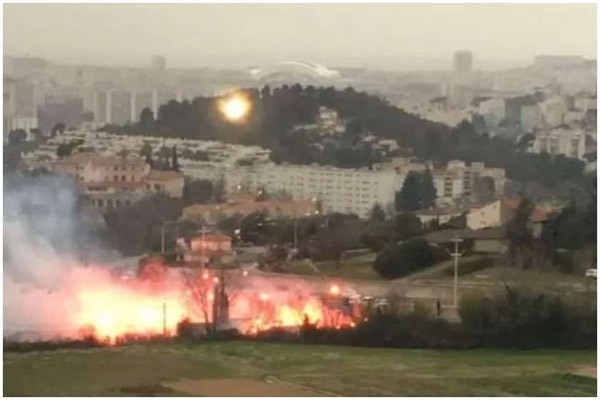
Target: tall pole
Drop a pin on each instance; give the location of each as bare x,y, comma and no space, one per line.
456,255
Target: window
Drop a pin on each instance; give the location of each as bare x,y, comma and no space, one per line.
109,203
100,203
156,186
115,178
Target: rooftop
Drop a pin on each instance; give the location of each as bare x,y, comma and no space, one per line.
158,175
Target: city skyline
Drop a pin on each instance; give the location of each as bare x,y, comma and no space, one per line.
187,34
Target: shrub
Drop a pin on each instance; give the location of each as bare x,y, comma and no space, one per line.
528,320
405,258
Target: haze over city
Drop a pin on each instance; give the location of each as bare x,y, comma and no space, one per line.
394,36
300,200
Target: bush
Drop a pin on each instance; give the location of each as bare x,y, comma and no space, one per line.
403,259
528,320
46,345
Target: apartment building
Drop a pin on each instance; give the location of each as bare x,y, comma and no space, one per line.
337,189
566,141
113,182
459,179
87,168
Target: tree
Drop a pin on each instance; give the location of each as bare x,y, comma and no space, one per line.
377,213
427,190
164,154
407,226
400,260
146,150
174,162
198,191
409,197
16,137
520,238
58,128
219,191
147,119
265,92
64,150
136,229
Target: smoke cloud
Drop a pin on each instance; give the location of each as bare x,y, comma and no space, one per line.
45,244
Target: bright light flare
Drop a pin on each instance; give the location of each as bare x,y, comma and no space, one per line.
235,108
334,290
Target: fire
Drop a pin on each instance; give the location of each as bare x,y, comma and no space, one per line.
114,311
111,308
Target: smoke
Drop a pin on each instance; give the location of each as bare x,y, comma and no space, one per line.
45,241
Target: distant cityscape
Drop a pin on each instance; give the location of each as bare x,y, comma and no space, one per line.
552,104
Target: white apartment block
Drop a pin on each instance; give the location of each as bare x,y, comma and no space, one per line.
568,142
553,111
470,173
493,111
531,118
584,103
338,189
448,185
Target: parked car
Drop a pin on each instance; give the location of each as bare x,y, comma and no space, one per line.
591,273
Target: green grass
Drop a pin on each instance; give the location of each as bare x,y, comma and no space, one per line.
144,368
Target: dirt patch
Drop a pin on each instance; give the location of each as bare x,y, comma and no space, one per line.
237,387
586,370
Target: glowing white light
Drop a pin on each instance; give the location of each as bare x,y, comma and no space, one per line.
235,108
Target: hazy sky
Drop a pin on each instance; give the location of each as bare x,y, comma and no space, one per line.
388,35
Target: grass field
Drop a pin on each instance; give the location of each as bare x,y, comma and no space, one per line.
147,369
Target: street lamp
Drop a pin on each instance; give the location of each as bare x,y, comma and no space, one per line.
456,256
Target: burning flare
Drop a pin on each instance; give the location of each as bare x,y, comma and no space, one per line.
235,108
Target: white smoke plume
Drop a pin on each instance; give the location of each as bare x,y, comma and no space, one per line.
44,243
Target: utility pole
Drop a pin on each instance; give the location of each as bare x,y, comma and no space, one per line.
456,256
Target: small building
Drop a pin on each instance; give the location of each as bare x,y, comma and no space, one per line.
211,248
490,241
499,212
169,182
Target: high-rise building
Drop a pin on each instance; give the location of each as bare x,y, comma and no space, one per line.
463,62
